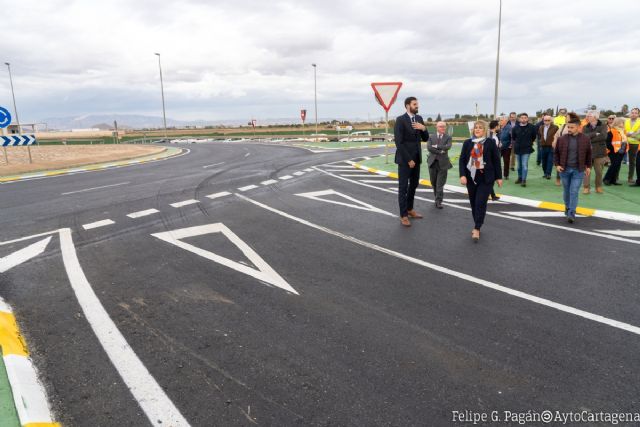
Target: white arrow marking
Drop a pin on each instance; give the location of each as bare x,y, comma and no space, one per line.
23,255
264,272
317,195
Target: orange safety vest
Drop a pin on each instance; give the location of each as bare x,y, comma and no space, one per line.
616,141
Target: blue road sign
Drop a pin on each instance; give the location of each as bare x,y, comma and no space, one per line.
15,140
5,118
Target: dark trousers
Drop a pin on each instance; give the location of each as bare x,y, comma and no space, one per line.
478,197
539,156
546,154
611,177
438,177
637,167
408,180
506,158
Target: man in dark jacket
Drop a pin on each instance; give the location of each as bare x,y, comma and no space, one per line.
523,136
505,142
597,133
572,157
546,136
409,133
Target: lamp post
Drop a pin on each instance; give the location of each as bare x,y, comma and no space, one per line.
495,93
164,113
15,109
315,95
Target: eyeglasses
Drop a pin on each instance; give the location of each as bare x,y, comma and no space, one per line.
546,121
610,118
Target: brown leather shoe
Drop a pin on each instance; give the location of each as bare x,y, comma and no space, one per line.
405,221
413,214
586,191
599,190
475,235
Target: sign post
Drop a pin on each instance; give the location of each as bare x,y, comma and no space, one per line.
5,120
386,94
303,116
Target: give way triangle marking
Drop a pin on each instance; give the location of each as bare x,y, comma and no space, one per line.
23,255
263,272
355,203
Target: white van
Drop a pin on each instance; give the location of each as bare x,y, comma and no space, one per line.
360,136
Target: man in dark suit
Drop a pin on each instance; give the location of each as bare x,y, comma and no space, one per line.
439,164
409,133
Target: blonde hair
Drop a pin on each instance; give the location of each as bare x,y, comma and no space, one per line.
618,123
482,124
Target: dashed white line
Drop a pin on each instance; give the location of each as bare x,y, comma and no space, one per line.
284,178
248,187
247,155
299,173
95,188
269,182
140,214
378,181
215,164
184,203
308,170
98,224
623,233
218,195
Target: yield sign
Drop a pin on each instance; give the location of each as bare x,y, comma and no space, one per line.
386,93
349,202
263,271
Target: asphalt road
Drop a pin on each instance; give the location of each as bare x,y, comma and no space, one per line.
302,301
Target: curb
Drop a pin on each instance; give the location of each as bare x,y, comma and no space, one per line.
360,147
163,155
540,204
29,396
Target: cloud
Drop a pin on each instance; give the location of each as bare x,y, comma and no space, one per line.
229,59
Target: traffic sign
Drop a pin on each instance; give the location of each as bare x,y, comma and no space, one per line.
5,118
303,115
386,93
15,140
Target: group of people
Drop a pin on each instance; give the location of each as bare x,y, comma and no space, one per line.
571,145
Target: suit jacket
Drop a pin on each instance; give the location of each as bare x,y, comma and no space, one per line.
491,156
408,140
439,151
551,134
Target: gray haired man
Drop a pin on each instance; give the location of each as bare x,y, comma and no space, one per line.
439,145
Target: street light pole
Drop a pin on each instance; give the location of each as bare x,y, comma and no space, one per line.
315,95
495,94
15,108
164,113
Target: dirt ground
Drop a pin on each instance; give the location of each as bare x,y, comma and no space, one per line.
57,157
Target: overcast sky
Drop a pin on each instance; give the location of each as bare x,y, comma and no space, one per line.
230,59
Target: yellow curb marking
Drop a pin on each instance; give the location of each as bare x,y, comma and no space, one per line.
10,339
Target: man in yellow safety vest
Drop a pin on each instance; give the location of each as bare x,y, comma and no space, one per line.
561,118
632,130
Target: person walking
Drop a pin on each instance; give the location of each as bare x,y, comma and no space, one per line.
561,119
546,136
572,158
597,133
505,141
479,168
617,149
438,146
523,136
494,132
537,126
632,130
409,132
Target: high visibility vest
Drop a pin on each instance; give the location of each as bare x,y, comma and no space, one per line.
559,121
632,129
616,141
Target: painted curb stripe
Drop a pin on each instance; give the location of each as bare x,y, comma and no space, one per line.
29,397
618,216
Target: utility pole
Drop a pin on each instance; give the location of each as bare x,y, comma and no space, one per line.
495,94
15,111
315,95
164,113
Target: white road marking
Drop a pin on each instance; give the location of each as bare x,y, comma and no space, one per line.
23,255
215,164
184,203
299,173
95,188
248,187
378,181
357,204
624,233
247,155
218,195
269,182
98,224
152,399
29,396
512,218
352,175
140,214
262,272
284,178
467,277
308,170
535,214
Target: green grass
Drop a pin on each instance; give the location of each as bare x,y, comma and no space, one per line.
621,198
8,414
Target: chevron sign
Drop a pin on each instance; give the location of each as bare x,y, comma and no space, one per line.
13,140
